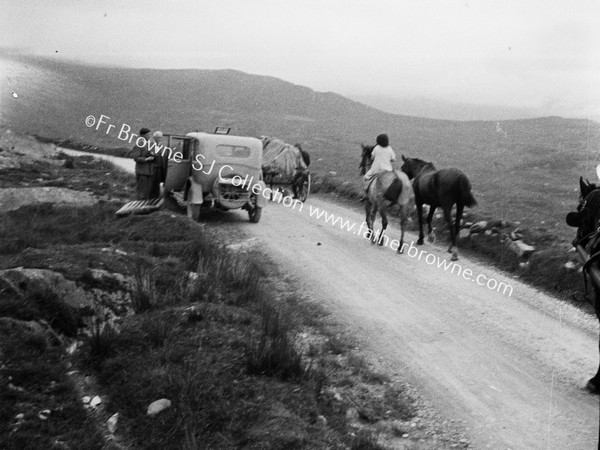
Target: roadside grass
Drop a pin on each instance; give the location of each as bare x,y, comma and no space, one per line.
40,408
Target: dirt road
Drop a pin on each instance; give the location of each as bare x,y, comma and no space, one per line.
508,367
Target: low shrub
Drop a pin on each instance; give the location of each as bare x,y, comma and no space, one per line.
274,354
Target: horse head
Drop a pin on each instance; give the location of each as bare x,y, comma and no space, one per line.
587,217
413,166
365,161
585,187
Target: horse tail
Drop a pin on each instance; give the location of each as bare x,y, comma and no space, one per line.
465,192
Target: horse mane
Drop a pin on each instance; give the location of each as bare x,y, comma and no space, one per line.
367,151
425,163
366,147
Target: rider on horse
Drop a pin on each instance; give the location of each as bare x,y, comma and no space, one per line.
383,155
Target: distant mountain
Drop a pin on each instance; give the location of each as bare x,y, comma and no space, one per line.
513,164
439,109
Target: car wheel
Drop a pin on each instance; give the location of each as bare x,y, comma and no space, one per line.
255,214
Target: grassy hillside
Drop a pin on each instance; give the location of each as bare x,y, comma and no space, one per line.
521,170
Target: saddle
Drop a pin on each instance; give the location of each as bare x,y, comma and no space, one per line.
393,191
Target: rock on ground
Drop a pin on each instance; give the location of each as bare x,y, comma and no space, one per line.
14,198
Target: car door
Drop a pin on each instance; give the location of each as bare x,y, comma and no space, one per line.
180,161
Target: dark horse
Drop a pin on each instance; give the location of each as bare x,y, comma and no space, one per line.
439,188
587,221
385,190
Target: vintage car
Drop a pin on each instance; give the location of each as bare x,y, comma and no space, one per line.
215,170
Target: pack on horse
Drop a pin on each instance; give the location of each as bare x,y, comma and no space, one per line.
439,188
587,222
385,190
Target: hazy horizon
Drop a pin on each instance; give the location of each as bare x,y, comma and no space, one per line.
532,58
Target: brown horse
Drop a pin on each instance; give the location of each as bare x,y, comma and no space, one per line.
439,188
387,189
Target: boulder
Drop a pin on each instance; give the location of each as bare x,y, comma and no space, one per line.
24,281
110,293
521,249
478,227
23,150
106,295
14,198
496,223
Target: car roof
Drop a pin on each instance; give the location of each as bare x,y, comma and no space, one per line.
227,139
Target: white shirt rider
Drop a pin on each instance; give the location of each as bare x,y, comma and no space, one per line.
382,160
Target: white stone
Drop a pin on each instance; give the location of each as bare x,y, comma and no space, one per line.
157,406
521,249
570,265
112,423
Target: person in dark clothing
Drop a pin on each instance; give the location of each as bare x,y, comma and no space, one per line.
301,174
305,155
145,169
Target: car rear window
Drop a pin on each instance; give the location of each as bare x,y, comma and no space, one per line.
233,151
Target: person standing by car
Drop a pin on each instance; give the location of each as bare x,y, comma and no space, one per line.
162,157
145,169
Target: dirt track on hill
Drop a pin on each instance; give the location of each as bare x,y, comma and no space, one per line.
510,369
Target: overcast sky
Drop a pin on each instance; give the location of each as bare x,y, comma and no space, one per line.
522,53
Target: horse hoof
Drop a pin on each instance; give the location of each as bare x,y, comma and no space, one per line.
454,257
420,241
431,238
592,387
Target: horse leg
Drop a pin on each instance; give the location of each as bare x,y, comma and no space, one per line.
593,384
368,218
403,217
373,218
420,216
448,218
459,213
384,222
430,234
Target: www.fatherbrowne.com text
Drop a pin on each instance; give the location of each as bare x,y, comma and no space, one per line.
256,188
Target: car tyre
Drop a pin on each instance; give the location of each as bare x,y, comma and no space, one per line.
254,214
